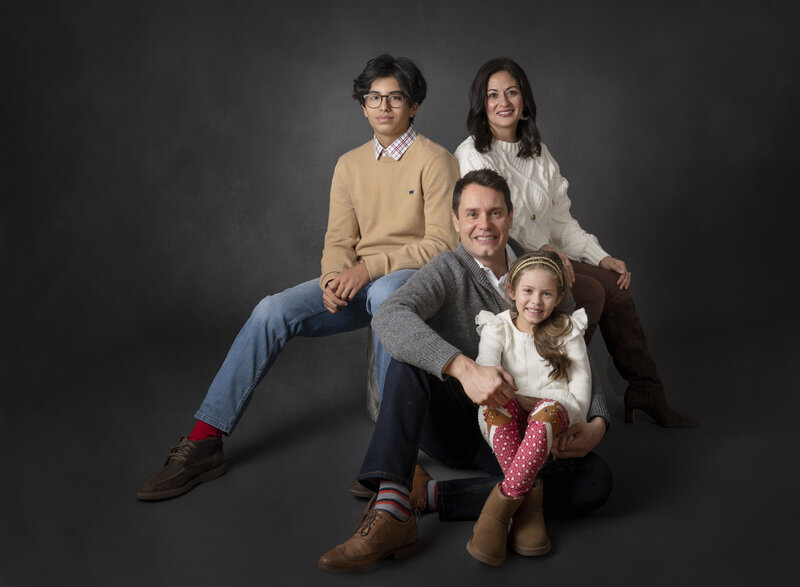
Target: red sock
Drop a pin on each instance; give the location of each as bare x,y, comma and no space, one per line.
202,430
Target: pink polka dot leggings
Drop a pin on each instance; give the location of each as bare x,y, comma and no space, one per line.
523,442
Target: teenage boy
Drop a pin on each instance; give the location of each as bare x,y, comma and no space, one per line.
433,384
388,216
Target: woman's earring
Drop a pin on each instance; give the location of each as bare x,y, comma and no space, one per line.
524,115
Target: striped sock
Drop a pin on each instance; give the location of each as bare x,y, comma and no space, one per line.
430,496
393,499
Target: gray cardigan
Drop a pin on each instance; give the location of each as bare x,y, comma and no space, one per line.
431,319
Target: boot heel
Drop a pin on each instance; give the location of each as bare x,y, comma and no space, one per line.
405,551
653,403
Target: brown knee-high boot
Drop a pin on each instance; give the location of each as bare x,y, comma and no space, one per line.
528,532
490,533
627,345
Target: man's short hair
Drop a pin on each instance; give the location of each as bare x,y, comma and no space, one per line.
487,178
407,74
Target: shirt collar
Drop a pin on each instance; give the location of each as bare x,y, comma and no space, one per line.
499,283
398,147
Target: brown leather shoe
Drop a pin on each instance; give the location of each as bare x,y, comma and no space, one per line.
528,532
359,490
379,536
419,491
189,462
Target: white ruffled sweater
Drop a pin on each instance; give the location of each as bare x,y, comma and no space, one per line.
539,195
503,344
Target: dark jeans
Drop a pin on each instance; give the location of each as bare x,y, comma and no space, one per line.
420,411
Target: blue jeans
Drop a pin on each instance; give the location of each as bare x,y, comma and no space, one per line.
418,410
297,311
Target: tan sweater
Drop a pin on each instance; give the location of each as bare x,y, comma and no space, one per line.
390,214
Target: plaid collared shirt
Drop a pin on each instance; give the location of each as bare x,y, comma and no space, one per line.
398,147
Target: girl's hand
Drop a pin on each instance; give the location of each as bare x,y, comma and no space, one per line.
565,261
611,264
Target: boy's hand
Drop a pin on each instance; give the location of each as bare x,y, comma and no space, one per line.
344,287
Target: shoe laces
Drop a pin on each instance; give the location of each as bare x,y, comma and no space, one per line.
180,452
365,523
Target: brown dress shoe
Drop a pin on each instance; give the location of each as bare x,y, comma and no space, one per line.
419,491
379,535
359,490
189,462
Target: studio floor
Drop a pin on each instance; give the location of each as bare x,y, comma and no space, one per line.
690,507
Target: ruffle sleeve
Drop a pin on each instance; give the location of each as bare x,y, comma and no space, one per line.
580,321
486,319
493,337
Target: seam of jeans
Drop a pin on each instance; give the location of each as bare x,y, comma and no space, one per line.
385,475
490,482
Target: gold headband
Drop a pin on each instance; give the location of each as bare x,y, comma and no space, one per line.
546,261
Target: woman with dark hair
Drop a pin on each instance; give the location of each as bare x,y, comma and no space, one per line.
504,137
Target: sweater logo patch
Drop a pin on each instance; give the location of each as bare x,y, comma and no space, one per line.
411,192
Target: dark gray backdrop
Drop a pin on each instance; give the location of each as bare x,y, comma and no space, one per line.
167,164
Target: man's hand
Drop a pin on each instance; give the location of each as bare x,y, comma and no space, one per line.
611,264
344,287
579,439
485,386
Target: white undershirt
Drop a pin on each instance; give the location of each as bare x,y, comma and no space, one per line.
499,282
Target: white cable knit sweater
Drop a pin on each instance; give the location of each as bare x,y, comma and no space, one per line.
539,195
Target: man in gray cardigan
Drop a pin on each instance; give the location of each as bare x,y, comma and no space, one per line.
433,385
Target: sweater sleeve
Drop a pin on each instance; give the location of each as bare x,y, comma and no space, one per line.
565,232
342,234
401,321
439,176
469,159
597,405
490,348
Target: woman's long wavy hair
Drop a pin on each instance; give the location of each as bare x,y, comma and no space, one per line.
547,334
477,123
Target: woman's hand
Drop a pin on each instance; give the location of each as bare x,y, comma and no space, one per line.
565,261
612,264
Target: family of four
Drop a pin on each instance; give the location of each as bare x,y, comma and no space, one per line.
480,333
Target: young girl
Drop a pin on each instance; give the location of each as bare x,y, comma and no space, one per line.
543,349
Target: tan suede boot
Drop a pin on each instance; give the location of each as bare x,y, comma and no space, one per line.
528,533
490,534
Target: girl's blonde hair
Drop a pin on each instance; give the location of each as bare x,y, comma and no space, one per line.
548,334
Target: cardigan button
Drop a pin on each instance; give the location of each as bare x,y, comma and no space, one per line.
533,216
